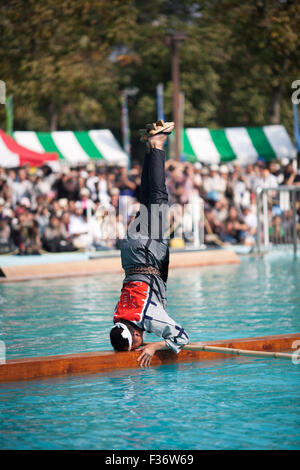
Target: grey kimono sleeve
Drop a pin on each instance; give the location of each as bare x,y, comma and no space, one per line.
159,323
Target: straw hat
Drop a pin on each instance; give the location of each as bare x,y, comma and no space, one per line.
224,169
214,167
198,166
84,192
25,202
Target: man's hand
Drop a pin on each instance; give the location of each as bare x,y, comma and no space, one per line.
148,351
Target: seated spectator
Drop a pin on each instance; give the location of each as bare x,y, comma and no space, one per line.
66,186
43,218
223,186
267,180
28,197
213,228
86,232
221,209
5,189
112,230
86,201
65,220
26,234
42,186
114,199
6,243
235,229
55,236
78,228
197,179
250,220
214,182
276,231
291,176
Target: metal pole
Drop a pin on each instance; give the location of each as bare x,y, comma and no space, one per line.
125,120
175,80
160,101
174,40
196,221
181,122
125,125
266,220
294,222
258,210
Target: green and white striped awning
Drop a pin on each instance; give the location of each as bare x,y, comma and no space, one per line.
243,144
75,147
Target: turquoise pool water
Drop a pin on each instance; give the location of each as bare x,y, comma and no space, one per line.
233,404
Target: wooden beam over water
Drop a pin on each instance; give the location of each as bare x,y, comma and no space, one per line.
105,361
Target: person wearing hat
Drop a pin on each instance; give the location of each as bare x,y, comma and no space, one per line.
145,260
215,182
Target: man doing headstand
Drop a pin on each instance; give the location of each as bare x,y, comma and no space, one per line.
145,260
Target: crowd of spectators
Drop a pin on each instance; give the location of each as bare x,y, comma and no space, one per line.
86,208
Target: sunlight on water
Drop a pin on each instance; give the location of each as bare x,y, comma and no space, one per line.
234,404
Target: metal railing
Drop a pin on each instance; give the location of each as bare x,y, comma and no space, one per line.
277,217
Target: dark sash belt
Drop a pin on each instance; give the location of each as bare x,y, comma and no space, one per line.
143,270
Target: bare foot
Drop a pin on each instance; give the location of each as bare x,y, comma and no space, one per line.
157,141
155,134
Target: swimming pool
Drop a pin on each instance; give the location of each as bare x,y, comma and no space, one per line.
232,404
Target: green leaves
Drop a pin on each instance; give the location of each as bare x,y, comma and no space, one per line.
66,63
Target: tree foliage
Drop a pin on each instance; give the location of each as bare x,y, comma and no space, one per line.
66,63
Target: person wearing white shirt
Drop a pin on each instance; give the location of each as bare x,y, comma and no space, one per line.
79,228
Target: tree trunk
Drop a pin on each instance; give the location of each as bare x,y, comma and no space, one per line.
275,105
277,91
53,117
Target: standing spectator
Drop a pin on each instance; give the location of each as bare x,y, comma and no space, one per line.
197,178
21,187
92,180
241,194
102,187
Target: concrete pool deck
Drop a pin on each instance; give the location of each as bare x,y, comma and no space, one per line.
47,266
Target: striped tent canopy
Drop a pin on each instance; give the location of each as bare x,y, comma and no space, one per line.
242,144
13,155
75,147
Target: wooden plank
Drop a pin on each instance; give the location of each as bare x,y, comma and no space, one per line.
94,362
94,267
